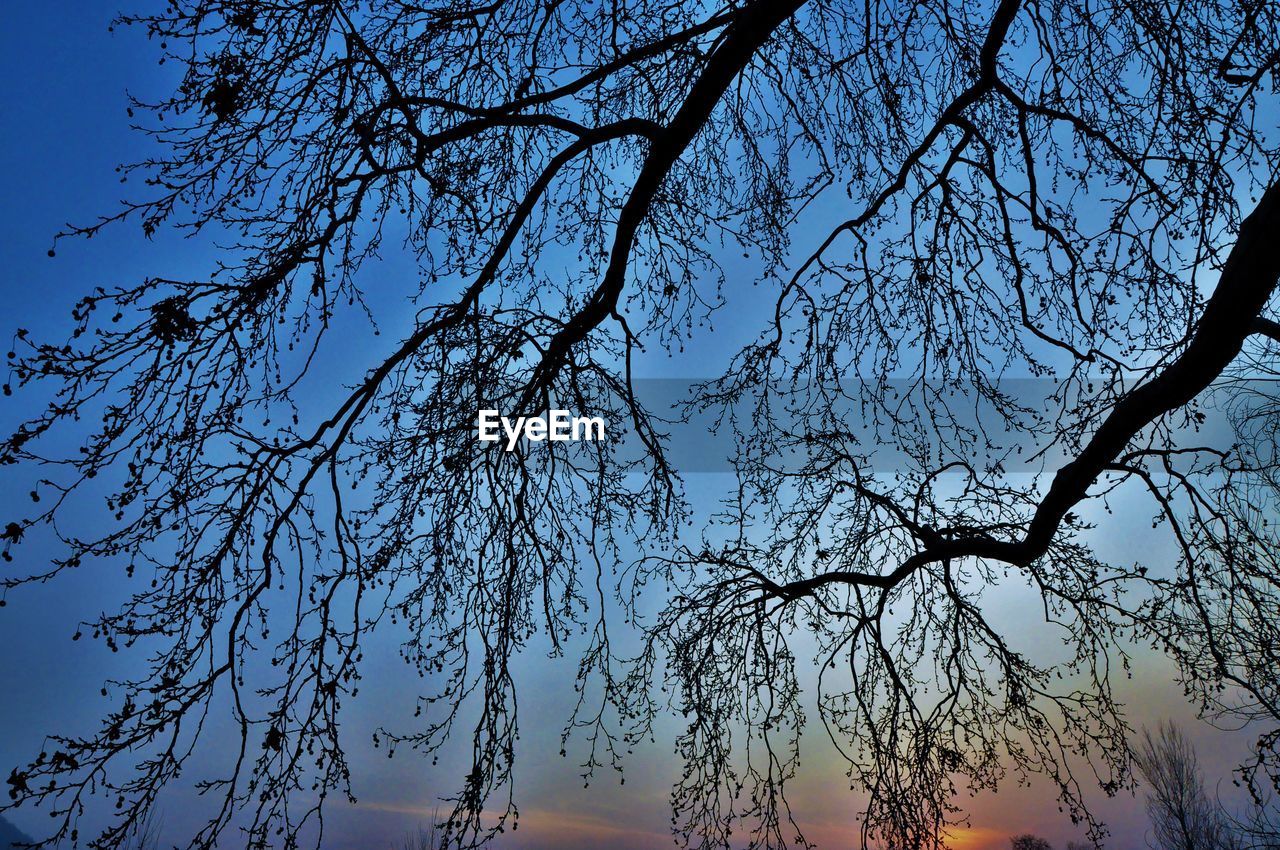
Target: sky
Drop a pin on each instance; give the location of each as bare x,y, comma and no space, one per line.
65,130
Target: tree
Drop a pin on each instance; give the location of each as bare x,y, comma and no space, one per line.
1029,842
1085,195
422,839
1183,817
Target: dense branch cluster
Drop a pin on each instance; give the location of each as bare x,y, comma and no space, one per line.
1085,194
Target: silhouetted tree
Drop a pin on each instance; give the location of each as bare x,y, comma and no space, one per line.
1082,193
144,833
421,839
1182,812
1029,842
1183,817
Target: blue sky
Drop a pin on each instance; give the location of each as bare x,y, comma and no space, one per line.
65,130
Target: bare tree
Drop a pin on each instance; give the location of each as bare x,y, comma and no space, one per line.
1183,816
1029,842
1085,194
144,834
421,839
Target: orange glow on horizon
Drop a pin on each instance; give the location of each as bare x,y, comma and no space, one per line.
976,838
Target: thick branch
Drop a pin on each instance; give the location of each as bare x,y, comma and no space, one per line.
1232,313
744,37
1266,327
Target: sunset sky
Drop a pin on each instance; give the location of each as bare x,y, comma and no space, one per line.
64,105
